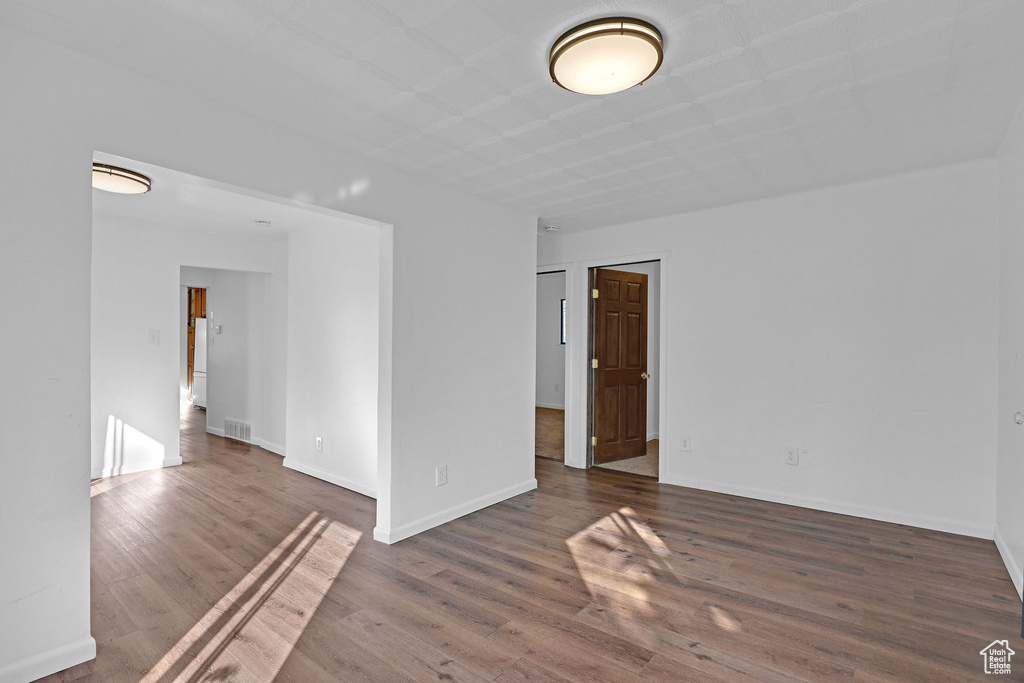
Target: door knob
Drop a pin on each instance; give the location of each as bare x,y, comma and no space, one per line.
644,375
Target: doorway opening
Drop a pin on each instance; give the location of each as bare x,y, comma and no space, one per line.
622,383
552,335
195,318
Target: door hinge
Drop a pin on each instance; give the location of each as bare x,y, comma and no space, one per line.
593,441
593,363
596,292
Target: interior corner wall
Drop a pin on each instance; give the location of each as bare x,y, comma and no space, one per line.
858,323
463,294
1010,464
550,349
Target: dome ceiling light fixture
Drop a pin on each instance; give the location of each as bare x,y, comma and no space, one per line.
606,56
119,180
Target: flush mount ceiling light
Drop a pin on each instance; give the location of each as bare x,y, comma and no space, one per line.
120,180
606,56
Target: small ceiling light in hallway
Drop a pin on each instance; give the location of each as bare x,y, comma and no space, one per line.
119,180
606,56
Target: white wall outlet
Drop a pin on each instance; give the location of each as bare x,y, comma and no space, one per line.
792,455
558,387
685,444
154,337
442,475
319,443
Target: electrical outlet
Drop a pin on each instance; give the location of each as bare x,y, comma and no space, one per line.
684,444
442,475
154,337
319,443
792,455
558,387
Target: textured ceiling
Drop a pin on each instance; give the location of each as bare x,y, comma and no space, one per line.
755,98
186,201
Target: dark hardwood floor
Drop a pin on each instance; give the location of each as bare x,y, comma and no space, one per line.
232,568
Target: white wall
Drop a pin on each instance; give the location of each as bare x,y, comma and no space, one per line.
333,339
464,276
236,359
856,322
275,340
44,274
1010,459
136,287
550,349
653,271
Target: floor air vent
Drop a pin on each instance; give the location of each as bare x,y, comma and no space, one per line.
234,429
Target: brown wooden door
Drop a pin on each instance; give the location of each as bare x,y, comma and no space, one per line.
620,378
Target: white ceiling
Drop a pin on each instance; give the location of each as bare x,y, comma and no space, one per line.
187,201
755,97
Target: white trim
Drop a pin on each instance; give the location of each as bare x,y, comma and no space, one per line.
215,431
49,662
268,446
651,436
329,478
1011,563
571,342
879,514
103,472
439,518
552,406
554,268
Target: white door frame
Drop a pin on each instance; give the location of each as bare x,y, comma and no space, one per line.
570,345
577,291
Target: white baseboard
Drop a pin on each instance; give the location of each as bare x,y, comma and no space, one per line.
879,514
551,405
103,473
390,536
1012,565
49,662
651,436
330,478
269,446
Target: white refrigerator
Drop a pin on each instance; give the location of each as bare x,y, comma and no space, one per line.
199,366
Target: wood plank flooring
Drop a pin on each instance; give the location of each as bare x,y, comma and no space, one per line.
232,568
